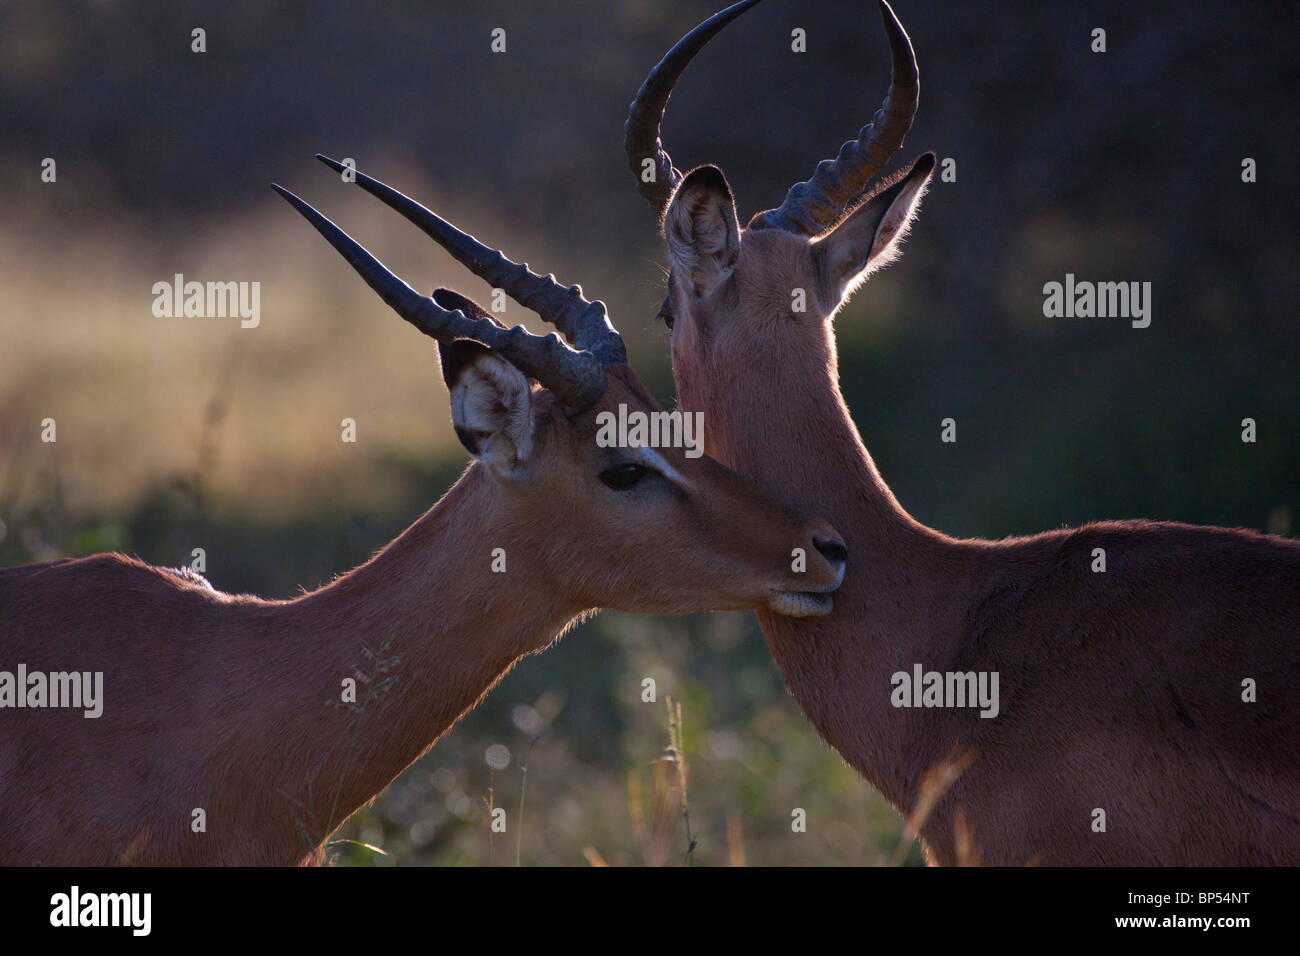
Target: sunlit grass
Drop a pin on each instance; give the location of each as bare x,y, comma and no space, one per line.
135,396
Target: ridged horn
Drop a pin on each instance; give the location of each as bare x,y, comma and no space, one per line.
575,377
812,207
645,115
585,324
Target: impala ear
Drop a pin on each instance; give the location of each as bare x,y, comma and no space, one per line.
870,236
701,230
491,400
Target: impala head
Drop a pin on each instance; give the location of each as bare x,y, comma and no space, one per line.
643,529
744,302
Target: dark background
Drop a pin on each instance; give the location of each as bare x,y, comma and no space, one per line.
1121,166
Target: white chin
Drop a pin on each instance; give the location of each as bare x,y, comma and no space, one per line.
800,603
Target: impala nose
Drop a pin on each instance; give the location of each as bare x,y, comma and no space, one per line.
831,549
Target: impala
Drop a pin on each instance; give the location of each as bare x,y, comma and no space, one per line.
228,708
1149,713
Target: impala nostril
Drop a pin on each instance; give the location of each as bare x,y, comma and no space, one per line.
831,549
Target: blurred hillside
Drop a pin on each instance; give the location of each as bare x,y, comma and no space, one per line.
176,433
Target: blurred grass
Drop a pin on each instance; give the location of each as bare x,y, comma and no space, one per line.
131,392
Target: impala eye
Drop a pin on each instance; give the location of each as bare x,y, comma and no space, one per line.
666,313
623,477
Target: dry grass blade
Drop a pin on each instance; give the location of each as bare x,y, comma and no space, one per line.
936,782
735,840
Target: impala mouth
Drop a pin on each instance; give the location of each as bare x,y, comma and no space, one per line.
801,603
805,603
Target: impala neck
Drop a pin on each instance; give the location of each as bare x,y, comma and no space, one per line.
903,595
431,599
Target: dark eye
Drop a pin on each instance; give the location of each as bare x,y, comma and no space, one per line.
623,477
666,313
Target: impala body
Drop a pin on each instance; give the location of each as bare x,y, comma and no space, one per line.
1149,713
226,736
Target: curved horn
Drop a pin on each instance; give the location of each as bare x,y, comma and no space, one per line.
814,206
585,324
644,116
576,378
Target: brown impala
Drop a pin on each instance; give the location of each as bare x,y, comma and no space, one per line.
222,703
1149,712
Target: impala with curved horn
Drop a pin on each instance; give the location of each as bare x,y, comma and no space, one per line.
1147,671
151,701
